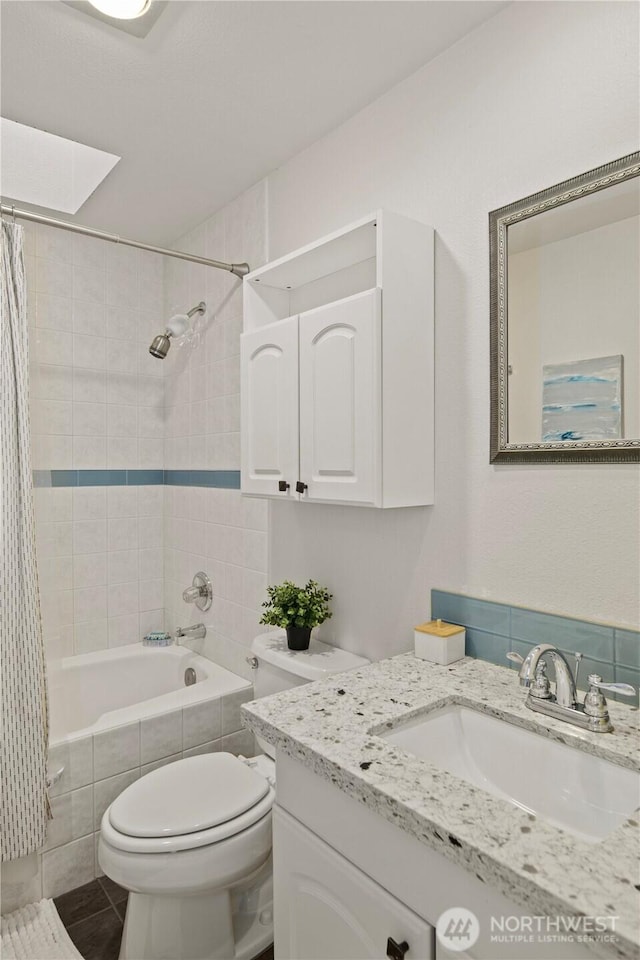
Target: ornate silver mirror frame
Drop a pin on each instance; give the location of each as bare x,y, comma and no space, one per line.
580,451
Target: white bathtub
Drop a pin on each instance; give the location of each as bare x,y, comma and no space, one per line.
116,715
93,692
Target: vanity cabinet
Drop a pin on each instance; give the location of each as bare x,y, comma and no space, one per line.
348,884
337,369
330,910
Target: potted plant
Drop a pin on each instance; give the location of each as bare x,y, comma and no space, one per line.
297,609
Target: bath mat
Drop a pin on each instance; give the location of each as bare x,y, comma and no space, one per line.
36,932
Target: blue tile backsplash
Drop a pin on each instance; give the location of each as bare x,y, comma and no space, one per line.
495,628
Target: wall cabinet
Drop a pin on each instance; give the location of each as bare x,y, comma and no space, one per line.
337,369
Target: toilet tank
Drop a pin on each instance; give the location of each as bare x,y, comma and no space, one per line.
279,668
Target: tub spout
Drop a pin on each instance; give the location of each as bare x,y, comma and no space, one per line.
197,631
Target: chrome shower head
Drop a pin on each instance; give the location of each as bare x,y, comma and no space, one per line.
160,346
176,327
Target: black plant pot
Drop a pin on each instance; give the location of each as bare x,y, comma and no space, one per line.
298,638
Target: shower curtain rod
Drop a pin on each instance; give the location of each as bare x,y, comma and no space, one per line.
237,269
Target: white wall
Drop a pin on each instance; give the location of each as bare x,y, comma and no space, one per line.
540,93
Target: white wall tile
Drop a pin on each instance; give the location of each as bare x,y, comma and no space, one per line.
90,603
89,282
122,566
76,756
106,791
122,534
115,751
89,570
90,636
124,630
68,866
89,536
72,817
89,453
89,503
54,313
160,736
201,722
89,419
89,319
122,502
123,598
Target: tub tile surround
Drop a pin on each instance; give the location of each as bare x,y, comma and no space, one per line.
493,629
99,767
542,868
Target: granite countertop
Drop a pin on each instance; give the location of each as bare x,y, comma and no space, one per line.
330,726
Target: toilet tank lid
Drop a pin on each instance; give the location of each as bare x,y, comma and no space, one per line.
319,661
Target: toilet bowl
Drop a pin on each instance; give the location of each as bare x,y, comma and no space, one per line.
191,841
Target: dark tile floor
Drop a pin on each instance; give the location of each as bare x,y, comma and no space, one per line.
93,916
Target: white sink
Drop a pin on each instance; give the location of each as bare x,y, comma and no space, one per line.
574,790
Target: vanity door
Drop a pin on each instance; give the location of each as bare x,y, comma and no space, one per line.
327,909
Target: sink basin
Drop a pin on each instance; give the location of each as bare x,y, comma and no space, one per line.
580,793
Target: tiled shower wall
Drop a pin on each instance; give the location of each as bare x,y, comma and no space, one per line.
215,530
97,404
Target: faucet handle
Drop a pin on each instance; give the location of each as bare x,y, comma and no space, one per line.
622,689
515,657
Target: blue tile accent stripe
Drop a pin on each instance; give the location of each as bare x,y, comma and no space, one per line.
493,629
223,479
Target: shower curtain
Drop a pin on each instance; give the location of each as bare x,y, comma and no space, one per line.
24,806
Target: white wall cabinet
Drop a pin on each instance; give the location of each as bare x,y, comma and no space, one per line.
337,369
327,909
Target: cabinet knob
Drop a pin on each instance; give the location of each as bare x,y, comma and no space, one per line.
300,487
396,951
283,486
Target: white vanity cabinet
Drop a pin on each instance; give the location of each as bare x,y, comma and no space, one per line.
350,885
330,910
337,369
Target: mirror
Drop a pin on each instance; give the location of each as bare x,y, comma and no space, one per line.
565,321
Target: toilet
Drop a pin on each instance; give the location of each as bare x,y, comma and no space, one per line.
191,841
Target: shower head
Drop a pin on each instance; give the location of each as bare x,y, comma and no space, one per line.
176,327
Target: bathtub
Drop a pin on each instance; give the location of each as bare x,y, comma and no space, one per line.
115,715
98,691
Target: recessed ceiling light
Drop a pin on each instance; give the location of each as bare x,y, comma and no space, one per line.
122,9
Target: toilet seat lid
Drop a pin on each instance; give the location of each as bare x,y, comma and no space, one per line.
187,796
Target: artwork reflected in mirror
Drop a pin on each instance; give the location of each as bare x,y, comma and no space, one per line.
565,321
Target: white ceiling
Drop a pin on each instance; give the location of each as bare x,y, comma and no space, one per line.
216,96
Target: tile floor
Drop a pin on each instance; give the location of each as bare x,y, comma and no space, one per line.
94,915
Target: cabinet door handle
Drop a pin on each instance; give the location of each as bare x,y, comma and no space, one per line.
283,486
301,487
396,951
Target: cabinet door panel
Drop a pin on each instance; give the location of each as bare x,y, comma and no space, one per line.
340,399
269,395
327,909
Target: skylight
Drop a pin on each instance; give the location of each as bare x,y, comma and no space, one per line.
49,171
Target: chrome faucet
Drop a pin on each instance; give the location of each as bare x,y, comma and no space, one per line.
563,705
196,632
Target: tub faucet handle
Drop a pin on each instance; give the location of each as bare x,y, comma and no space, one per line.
200,592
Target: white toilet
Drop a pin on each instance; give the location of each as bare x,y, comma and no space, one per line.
191,841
